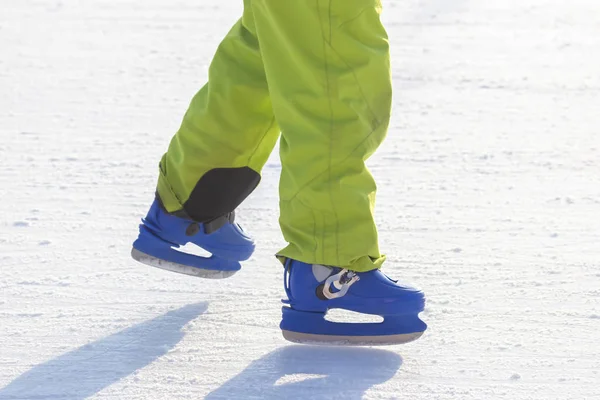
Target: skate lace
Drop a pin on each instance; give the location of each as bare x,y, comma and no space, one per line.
341,282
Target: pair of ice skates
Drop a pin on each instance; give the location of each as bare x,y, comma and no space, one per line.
312,290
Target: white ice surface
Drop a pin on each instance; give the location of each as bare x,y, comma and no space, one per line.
489,199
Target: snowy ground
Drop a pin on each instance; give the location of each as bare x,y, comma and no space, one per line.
489,200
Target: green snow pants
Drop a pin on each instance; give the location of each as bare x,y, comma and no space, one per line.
318,71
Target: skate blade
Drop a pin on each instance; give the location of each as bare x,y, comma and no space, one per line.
179,268
340,340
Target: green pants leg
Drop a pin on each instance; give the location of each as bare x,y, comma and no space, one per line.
227,134
328,68
321,67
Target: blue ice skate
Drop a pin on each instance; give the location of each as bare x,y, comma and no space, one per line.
314,289
162,234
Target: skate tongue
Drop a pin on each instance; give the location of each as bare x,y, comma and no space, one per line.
321,272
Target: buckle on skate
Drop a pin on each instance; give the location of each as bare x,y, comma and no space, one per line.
341,281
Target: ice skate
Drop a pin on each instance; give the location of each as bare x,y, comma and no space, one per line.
162,234
312,290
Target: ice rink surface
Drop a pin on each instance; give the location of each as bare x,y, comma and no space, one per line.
489,200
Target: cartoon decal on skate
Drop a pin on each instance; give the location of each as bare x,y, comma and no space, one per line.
340,281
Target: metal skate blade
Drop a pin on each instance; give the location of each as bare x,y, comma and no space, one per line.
339,340
179,268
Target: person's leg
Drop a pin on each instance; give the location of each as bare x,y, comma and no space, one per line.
214,161
212,165
328,68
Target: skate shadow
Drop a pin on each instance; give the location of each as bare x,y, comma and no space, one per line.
87,370
311,372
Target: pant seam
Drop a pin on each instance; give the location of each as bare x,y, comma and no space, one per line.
262,138
326,41
340,162
362,93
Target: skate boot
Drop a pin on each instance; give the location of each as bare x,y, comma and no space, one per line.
162,234
314,289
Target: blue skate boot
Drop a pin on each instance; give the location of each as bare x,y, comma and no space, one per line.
312,290
162,234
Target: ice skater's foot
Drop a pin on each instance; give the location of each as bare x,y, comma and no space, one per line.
162,235
314,289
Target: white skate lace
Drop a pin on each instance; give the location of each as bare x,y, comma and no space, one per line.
341,281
